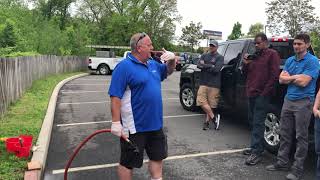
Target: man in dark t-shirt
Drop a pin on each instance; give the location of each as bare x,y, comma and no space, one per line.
208,94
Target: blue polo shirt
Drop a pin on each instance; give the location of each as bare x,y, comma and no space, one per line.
138,86
309,65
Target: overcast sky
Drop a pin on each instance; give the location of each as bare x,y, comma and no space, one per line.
220,15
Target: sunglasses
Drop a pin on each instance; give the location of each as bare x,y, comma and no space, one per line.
142,35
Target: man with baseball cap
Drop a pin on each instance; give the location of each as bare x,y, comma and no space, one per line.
208,94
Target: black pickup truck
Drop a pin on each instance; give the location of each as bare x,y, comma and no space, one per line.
233,98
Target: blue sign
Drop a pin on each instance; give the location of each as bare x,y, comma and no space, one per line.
212,33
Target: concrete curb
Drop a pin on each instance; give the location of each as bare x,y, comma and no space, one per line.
39,157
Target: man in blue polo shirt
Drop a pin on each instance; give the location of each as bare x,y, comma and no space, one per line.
300,73
136,106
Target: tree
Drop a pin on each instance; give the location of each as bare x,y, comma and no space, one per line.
11,3
315,40
116,20
291,16
159,19
8,37
47,27
255,29
236,32
52,8
192,34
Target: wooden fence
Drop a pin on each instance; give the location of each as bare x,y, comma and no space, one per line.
17,74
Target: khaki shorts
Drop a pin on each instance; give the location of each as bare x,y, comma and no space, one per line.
208,95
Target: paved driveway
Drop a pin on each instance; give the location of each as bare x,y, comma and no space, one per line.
84,107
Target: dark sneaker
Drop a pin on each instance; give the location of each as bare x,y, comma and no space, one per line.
277,167
217,121
293,176
247,152
205,126
253,159
213,120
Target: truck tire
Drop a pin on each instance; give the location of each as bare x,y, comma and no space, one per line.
272,129
178,67
104,69
187,97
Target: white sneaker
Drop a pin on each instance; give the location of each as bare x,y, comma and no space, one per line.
217,121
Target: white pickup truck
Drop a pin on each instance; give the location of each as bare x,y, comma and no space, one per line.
104,62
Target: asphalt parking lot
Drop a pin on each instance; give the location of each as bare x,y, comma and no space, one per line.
83,107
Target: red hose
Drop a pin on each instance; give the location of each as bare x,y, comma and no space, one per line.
83,143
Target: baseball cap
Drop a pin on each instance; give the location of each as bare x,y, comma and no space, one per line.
213,42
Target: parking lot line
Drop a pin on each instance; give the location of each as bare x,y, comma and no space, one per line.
84,168
170,99
96,102
93,79
168,89
102,102
79,92
85,123
99,122
86,84
75,92
184,115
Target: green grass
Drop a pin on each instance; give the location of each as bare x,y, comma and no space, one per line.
25,117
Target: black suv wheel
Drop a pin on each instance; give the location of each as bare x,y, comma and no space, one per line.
178,67
187,97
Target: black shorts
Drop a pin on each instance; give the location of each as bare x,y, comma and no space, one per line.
154,142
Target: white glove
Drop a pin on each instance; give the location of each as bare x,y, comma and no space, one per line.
167,55
116,128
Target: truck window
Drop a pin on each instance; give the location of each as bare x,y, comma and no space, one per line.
221,49
284,49
232,52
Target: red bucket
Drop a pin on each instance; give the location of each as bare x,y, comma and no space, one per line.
23,152
19,145
26,140
11,144
24,146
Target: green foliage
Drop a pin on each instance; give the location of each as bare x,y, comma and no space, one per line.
49,28
55,8
191,35
236,32
315,40
116,21
9,52
8,37
292,16
255,29
118,30
6,51
200,50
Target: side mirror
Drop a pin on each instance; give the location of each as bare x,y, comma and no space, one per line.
226,67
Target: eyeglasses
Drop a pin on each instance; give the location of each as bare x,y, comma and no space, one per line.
257,43
142,35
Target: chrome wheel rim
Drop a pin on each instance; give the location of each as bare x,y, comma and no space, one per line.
272,129
187,97
103,70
